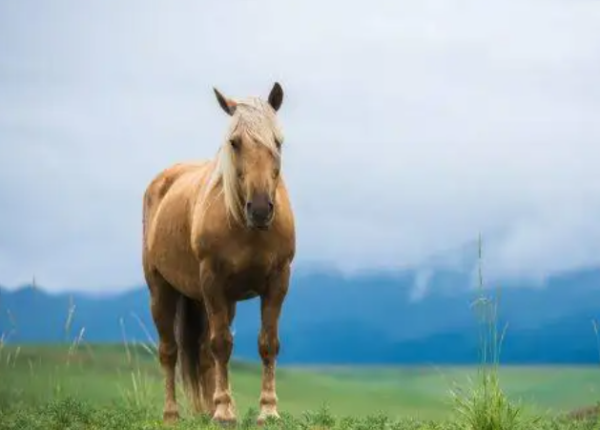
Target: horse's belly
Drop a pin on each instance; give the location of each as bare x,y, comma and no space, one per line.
184,278
174,259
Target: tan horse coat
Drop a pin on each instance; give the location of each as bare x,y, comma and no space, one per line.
201,255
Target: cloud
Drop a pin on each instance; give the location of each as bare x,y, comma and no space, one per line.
410,127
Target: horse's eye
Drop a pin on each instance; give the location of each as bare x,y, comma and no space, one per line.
235,143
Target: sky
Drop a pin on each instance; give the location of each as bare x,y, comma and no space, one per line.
410,128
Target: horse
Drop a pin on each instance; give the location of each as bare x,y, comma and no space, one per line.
216,232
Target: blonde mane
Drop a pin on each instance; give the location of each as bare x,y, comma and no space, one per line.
257,119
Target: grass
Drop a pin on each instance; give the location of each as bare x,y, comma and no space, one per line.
485,405
82,386
101,389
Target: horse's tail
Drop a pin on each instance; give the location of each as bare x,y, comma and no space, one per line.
191,325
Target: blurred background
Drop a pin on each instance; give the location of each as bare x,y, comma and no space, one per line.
410,129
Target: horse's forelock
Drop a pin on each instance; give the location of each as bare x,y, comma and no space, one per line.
257,119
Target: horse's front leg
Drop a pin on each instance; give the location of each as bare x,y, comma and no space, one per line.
220,315
268,341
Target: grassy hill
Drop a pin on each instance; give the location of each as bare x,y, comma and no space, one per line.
83,386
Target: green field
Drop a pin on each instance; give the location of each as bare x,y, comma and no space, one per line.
88,384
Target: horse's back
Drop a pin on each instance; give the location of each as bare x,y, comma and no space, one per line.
162,183
168,201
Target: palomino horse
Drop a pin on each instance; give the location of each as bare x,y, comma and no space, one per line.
217,232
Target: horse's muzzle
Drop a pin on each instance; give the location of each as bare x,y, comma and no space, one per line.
259,212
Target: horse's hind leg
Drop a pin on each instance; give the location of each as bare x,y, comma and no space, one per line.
164,307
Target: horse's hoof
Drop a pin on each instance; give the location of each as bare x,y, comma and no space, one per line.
224,415
170,417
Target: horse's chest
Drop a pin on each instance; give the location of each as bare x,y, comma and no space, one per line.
248,259
247,284
248,271
244,262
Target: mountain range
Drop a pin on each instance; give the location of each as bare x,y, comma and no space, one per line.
372,318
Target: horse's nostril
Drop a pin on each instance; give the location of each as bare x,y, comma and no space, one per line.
271,207
248,205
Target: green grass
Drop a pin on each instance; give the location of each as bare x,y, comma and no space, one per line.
101,384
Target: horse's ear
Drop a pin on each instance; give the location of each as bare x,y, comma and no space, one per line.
226,104
276,96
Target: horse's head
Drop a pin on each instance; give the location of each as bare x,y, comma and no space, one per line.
250,159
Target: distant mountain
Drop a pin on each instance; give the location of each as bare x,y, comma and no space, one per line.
367,319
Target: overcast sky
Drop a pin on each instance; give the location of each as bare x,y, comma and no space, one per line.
410,127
